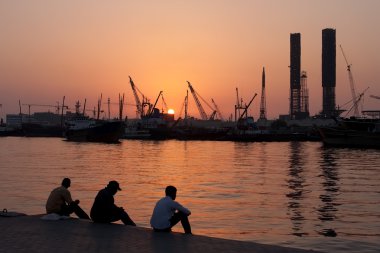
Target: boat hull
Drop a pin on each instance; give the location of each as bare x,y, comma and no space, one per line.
349,138
108,132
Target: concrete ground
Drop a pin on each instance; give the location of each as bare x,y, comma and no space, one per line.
32,234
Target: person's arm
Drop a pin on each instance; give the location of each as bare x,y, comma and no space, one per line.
181,208
67,197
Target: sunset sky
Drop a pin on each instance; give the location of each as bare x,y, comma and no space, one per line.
80,49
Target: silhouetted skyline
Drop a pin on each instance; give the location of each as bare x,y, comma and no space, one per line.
83,49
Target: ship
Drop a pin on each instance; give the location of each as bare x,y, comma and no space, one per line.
90,130
81,128
352,133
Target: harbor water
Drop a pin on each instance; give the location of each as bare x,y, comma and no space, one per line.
295,194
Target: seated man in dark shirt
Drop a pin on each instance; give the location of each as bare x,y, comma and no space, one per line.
104,209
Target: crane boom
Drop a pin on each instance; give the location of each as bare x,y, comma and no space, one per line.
164,103
155,103
352,85
246,108
199,105
137,99
217,110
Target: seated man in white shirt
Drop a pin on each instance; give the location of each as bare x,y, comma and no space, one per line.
167,213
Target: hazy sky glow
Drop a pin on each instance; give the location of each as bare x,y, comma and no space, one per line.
80,49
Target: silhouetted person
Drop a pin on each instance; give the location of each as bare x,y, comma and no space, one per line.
167,213
60,202
104,209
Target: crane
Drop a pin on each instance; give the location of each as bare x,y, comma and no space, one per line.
373,96
184,105
239,105
244,114
199,105
217,110
358,99
151,109
352,85
137,99
140,105
164,103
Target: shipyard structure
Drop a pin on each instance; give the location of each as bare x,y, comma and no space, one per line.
299,95
328,72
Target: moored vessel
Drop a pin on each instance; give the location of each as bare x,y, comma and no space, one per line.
82,128
356,133
89,130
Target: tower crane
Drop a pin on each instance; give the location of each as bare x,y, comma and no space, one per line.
352,85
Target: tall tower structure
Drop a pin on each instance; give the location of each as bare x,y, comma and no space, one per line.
328,71
304,95
295,74
263,109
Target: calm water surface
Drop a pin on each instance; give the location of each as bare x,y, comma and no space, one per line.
286,193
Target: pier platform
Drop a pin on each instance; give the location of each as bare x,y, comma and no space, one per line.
32,234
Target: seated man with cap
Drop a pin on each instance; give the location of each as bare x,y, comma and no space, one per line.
104,209
60,201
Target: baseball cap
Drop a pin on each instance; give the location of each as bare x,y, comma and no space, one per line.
114,184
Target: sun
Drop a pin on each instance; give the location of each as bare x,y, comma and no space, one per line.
171,111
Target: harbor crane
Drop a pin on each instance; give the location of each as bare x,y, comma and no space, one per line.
199,105
217,110
185,105
352,85
244,114
164,103
140,111
151,109
358,99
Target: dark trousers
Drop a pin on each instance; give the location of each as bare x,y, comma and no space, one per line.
116,215
177,217
73,208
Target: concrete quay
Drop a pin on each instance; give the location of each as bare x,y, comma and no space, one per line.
32,234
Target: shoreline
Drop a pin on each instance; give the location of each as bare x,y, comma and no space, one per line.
32,234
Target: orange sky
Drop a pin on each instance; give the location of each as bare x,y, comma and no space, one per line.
80,49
